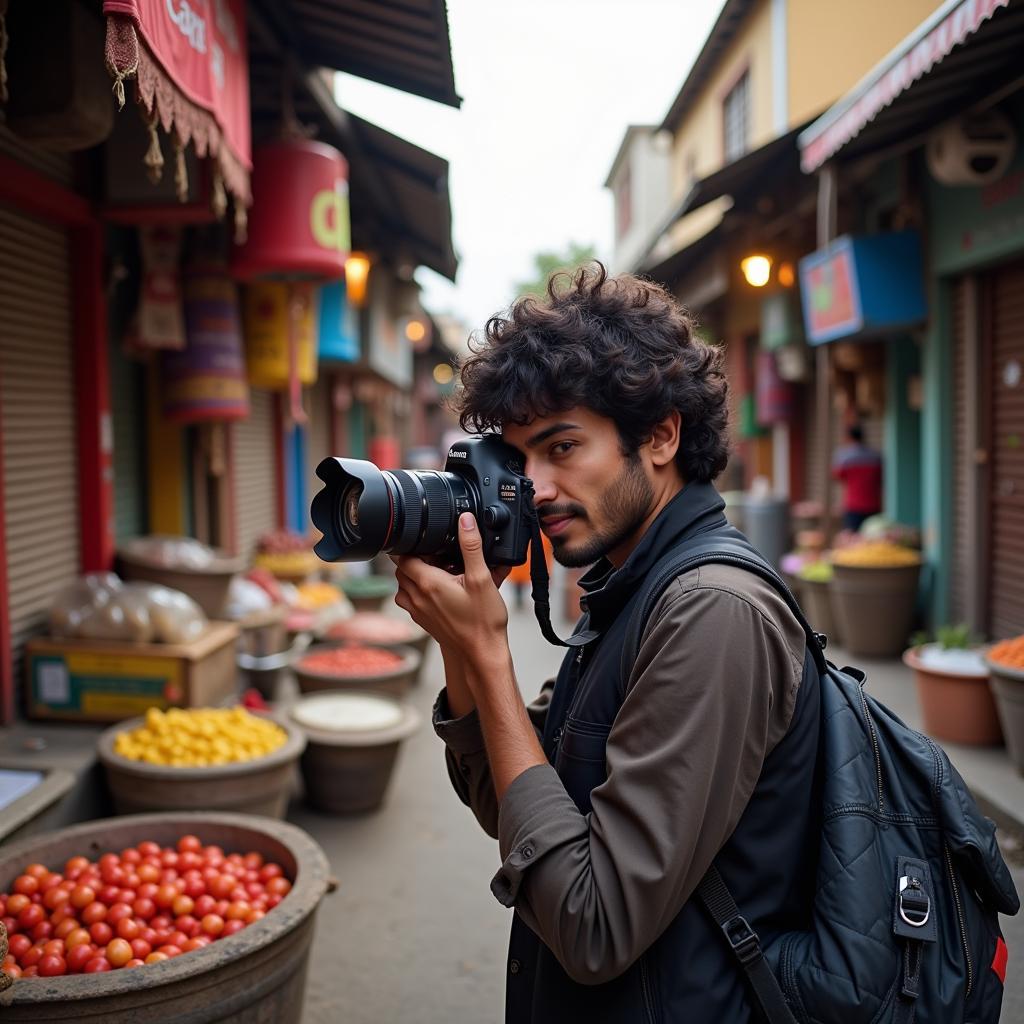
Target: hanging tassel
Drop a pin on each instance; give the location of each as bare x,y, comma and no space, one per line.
180,171
121,50
219,198
241,222
154,158
3,51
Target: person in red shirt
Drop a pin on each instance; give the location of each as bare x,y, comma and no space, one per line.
859,467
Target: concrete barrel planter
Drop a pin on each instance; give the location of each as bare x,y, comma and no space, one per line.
259,786
258,974
874,607
1008,690
353,741
397,682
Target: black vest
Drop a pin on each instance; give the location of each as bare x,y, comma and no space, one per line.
689,975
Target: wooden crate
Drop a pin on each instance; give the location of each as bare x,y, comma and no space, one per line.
105,681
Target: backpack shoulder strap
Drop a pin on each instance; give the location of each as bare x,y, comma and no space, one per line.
704,550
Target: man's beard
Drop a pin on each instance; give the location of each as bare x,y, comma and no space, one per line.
624,506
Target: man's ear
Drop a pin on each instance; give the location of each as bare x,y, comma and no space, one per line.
664,441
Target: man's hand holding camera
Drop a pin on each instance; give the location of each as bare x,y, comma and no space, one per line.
468,618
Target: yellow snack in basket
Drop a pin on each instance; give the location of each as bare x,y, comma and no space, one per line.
876,555
199,737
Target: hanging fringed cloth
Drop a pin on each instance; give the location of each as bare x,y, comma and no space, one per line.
190,66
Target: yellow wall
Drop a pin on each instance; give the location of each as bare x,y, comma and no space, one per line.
832,45
700,131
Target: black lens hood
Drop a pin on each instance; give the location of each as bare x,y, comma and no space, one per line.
341,542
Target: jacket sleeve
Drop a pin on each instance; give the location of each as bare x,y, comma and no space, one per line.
712,690
466,756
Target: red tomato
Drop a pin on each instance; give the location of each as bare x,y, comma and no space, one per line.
37,870
55,897
195,887
97,965
254,889
141,948
130,855
230,927
279,887
269,871
134,962
127,894
162,922
18,946
147,935
118,912
165,896
221,887
148,873
108,894
127,928
16,903
42,931
238,911
30,972
32,955
53,947
101,933
95,911
52,966
26,884
221,907
78,864
119,952
189,844
156,956
50,881
213,855
65,928
182,905
188,925
169,951
147,890
78,937
169,858
31,916
204,905
65,912
12,970
144,908
176,938
78,957
213,924
273,899
11,924
253,861
148,848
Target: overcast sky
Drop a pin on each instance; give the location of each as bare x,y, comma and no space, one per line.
548,88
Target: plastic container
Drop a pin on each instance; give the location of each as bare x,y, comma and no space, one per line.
258,974
397,682
259,786
353,739
208,587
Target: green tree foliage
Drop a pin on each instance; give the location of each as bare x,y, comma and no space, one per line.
547,263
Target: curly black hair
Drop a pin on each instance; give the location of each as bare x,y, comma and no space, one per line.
621,346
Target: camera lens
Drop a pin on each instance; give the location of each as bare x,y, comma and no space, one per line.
364,510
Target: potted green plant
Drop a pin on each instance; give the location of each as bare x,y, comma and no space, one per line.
1006,663
951,677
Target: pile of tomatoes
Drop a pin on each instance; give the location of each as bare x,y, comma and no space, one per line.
351,661
145,904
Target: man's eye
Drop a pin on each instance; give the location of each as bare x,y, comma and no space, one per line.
562,447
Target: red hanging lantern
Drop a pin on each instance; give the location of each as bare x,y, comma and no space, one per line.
299,221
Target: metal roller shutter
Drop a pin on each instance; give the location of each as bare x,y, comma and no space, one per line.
50,163
37,421
318,445
962,541
1006,387
127,388
255,476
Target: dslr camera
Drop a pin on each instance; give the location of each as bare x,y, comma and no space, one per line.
363,510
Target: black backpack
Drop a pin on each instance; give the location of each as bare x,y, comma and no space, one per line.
910,880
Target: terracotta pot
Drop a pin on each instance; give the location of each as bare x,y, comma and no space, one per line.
874,608
1008,688
956,707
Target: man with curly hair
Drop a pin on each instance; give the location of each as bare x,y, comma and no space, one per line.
612,793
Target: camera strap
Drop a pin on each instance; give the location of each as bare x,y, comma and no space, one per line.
540,581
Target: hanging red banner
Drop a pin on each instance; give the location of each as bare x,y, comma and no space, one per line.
199,48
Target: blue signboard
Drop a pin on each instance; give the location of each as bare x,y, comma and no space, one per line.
339,325
863,286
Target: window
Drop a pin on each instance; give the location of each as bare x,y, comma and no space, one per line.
623,203
736,118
